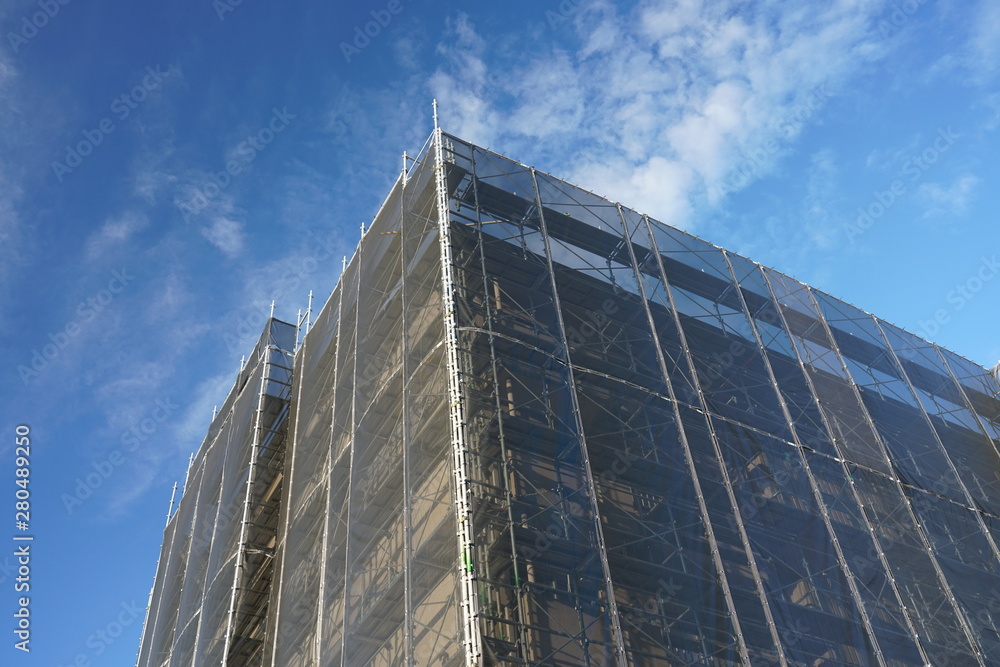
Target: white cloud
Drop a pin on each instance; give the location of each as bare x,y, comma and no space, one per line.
125,396
948,200
659,185
675,96
790,230
171,296
114,232
552,98
465,94
149,181
209,396
142,475
11,234
975,58
14,234
984,44
226,235
406,50
817,220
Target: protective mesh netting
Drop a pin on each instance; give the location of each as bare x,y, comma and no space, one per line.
591,439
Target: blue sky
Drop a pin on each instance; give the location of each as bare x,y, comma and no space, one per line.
168,169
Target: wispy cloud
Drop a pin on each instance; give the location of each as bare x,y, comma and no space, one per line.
115,232
790,230
170,296
226,235
463,86
984,44
975,59
676,97
209,395
14,236
125,396
820,201
948,200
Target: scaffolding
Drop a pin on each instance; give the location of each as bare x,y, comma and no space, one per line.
210,599
531,426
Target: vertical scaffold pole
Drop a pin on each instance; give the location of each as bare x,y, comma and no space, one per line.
814,485
408,612
717,450
802,358
463,503
884,450
149,602
348,509
621,659
309,310
170,510
187,474
298,329
686,447
493,309
970,503
248,498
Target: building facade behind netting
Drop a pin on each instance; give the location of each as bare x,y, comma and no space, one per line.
531,426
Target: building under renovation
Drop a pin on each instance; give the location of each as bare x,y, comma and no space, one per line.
531,426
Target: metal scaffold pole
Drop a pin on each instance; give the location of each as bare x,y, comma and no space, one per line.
493,308
325,537
734,504
348,509
156,573
463,503
880,553
813,484
688,456
173,494
251,477
187,475
970,502
907,505
615,617
408,614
